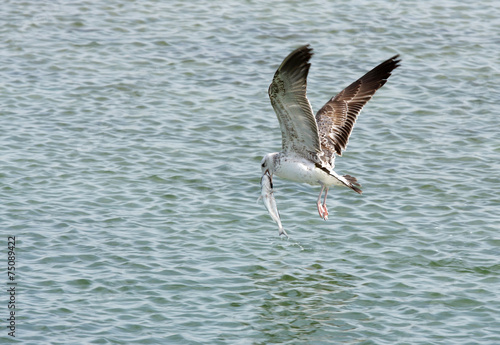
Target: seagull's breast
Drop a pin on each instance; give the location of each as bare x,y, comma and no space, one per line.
299,169
296,169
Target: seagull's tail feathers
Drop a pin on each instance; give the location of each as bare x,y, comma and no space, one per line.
347,180
351,182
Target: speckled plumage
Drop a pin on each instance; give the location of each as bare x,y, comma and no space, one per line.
310,143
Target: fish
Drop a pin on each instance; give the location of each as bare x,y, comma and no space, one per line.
267,195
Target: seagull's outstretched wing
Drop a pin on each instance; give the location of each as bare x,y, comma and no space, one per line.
299,131
337,117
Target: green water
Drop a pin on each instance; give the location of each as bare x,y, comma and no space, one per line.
132,134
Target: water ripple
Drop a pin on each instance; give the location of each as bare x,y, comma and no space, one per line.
132,136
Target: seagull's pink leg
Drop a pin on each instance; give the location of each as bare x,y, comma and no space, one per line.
325,210
321,209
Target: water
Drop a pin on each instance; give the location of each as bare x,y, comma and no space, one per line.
132,134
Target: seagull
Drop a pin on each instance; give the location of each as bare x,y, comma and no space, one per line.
310,143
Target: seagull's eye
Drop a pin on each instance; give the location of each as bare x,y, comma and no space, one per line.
263,165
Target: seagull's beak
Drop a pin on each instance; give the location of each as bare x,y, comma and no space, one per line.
266,172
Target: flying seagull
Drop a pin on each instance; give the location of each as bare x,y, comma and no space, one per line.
310,143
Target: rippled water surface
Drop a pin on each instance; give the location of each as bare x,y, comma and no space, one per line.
132,133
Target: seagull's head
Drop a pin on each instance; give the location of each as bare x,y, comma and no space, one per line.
267,164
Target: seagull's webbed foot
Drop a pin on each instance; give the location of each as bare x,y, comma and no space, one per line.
323,211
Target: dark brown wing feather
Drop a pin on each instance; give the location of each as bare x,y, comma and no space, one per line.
337,117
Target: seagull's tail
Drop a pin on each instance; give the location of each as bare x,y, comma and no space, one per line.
347,180
352,182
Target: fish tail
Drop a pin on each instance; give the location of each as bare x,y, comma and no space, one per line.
283,232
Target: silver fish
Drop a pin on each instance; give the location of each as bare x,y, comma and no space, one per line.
266,193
